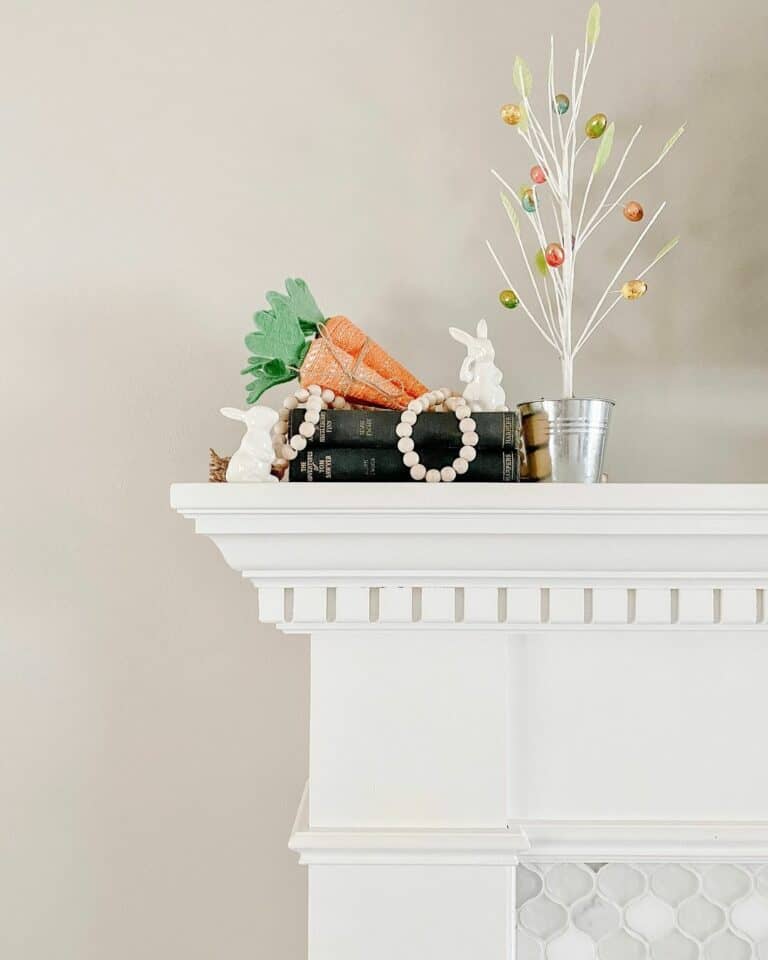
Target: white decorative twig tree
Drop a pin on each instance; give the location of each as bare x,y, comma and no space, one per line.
555,152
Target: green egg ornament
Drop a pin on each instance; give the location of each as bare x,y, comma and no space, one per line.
595,126
562,103
509,299
541,262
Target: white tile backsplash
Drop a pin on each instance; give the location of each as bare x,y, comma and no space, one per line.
642,911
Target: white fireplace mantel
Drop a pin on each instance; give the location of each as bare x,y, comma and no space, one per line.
646,556
508,674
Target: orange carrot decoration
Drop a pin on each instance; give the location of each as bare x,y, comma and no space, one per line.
353,365
294,339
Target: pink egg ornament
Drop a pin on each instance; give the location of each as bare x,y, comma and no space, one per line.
554,255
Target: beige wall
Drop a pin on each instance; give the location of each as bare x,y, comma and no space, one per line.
162,165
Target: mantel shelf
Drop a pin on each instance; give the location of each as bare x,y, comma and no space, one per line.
392,499
646,556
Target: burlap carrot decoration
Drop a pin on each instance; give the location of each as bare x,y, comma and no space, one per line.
293,339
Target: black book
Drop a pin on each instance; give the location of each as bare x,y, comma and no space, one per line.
360,464
374,429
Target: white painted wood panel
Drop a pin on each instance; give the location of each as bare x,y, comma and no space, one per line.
640,726
410,913
408,729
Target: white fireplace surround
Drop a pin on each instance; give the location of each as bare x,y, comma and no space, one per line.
538,674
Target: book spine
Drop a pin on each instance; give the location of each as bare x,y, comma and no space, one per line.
346,465
373,429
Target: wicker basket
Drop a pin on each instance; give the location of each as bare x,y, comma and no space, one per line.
217,468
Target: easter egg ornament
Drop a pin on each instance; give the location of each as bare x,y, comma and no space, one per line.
562,103
509,299
633,289
538,175
528,199
595,126
633,211
554,255
511,114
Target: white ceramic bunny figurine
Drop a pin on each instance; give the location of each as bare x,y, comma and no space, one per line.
484,392
252,462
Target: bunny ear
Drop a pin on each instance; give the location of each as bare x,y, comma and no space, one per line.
233,413
482,330
461,335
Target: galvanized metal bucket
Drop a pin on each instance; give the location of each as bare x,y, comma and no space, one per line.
564,440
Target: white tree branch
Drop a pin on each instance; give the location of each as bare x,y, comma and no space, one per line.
590,325
530,316
587,229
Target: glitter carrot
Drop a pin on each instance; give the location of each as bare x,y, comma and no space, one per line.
293,339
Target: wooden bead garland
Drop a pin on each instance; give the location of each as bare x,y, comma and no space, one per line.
314,399
432,400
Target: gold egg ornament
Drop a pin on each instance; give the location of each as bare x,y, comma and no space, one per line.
633,289
595,126
511,114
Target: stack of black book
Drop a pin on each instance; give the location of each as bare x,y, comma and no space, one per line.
359,445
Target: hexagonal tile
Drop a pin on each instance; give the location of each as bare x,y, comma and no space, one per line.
751,917
725,883
650,917
597,918
675,946
700,918
620,946
673,883
620,883
543,917
568,882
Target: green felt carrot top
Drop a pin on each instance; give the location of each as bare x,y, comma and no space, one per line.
282,337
